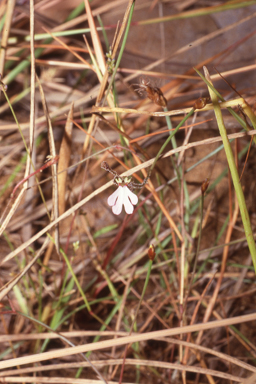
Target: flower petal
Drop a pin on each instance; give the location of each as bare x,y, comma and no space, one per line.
129,199
133,198
128,206
122,196
112,198
117,208
116,200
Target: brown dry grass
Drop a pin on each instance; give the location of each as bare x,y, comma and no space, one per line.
89,295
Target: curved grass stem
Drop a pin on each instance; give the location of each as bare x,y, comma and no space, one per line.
234,173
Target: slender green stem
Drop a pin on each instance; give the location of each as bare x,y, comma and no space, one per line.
234,173
169,125
121,49
143,293
169,139
178,171
74,277
197,249
174,145
247,109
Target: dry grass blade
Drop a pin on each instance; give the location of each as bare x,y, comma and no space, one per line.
95,38
109,98
63,163
114,48
86,64
64,154
157,202
93,118
138,362
55,197
6,31
62,217
9,286
95,12
42,336
126,340
144,165
210,307
58,112
32,113
99,52
208,107
5,220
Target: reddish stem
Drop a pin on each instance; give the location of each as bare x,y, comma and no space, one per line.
46,165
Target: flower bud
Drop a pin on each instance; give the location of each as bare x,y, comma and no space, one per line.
151,252
201,102
205,185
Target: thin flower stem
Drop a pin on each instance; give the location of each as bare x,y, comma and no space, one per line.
197,250
143,292
168,140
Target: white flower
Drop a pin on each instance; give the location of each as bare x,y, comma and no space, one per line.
122,196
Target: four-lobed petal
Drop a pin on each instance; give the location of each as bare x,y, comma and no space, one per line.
122,196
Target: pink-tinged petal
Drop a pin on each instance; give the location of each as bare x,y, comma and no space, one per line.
133,198
117,208
122,196
112,198
116,200
128,206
